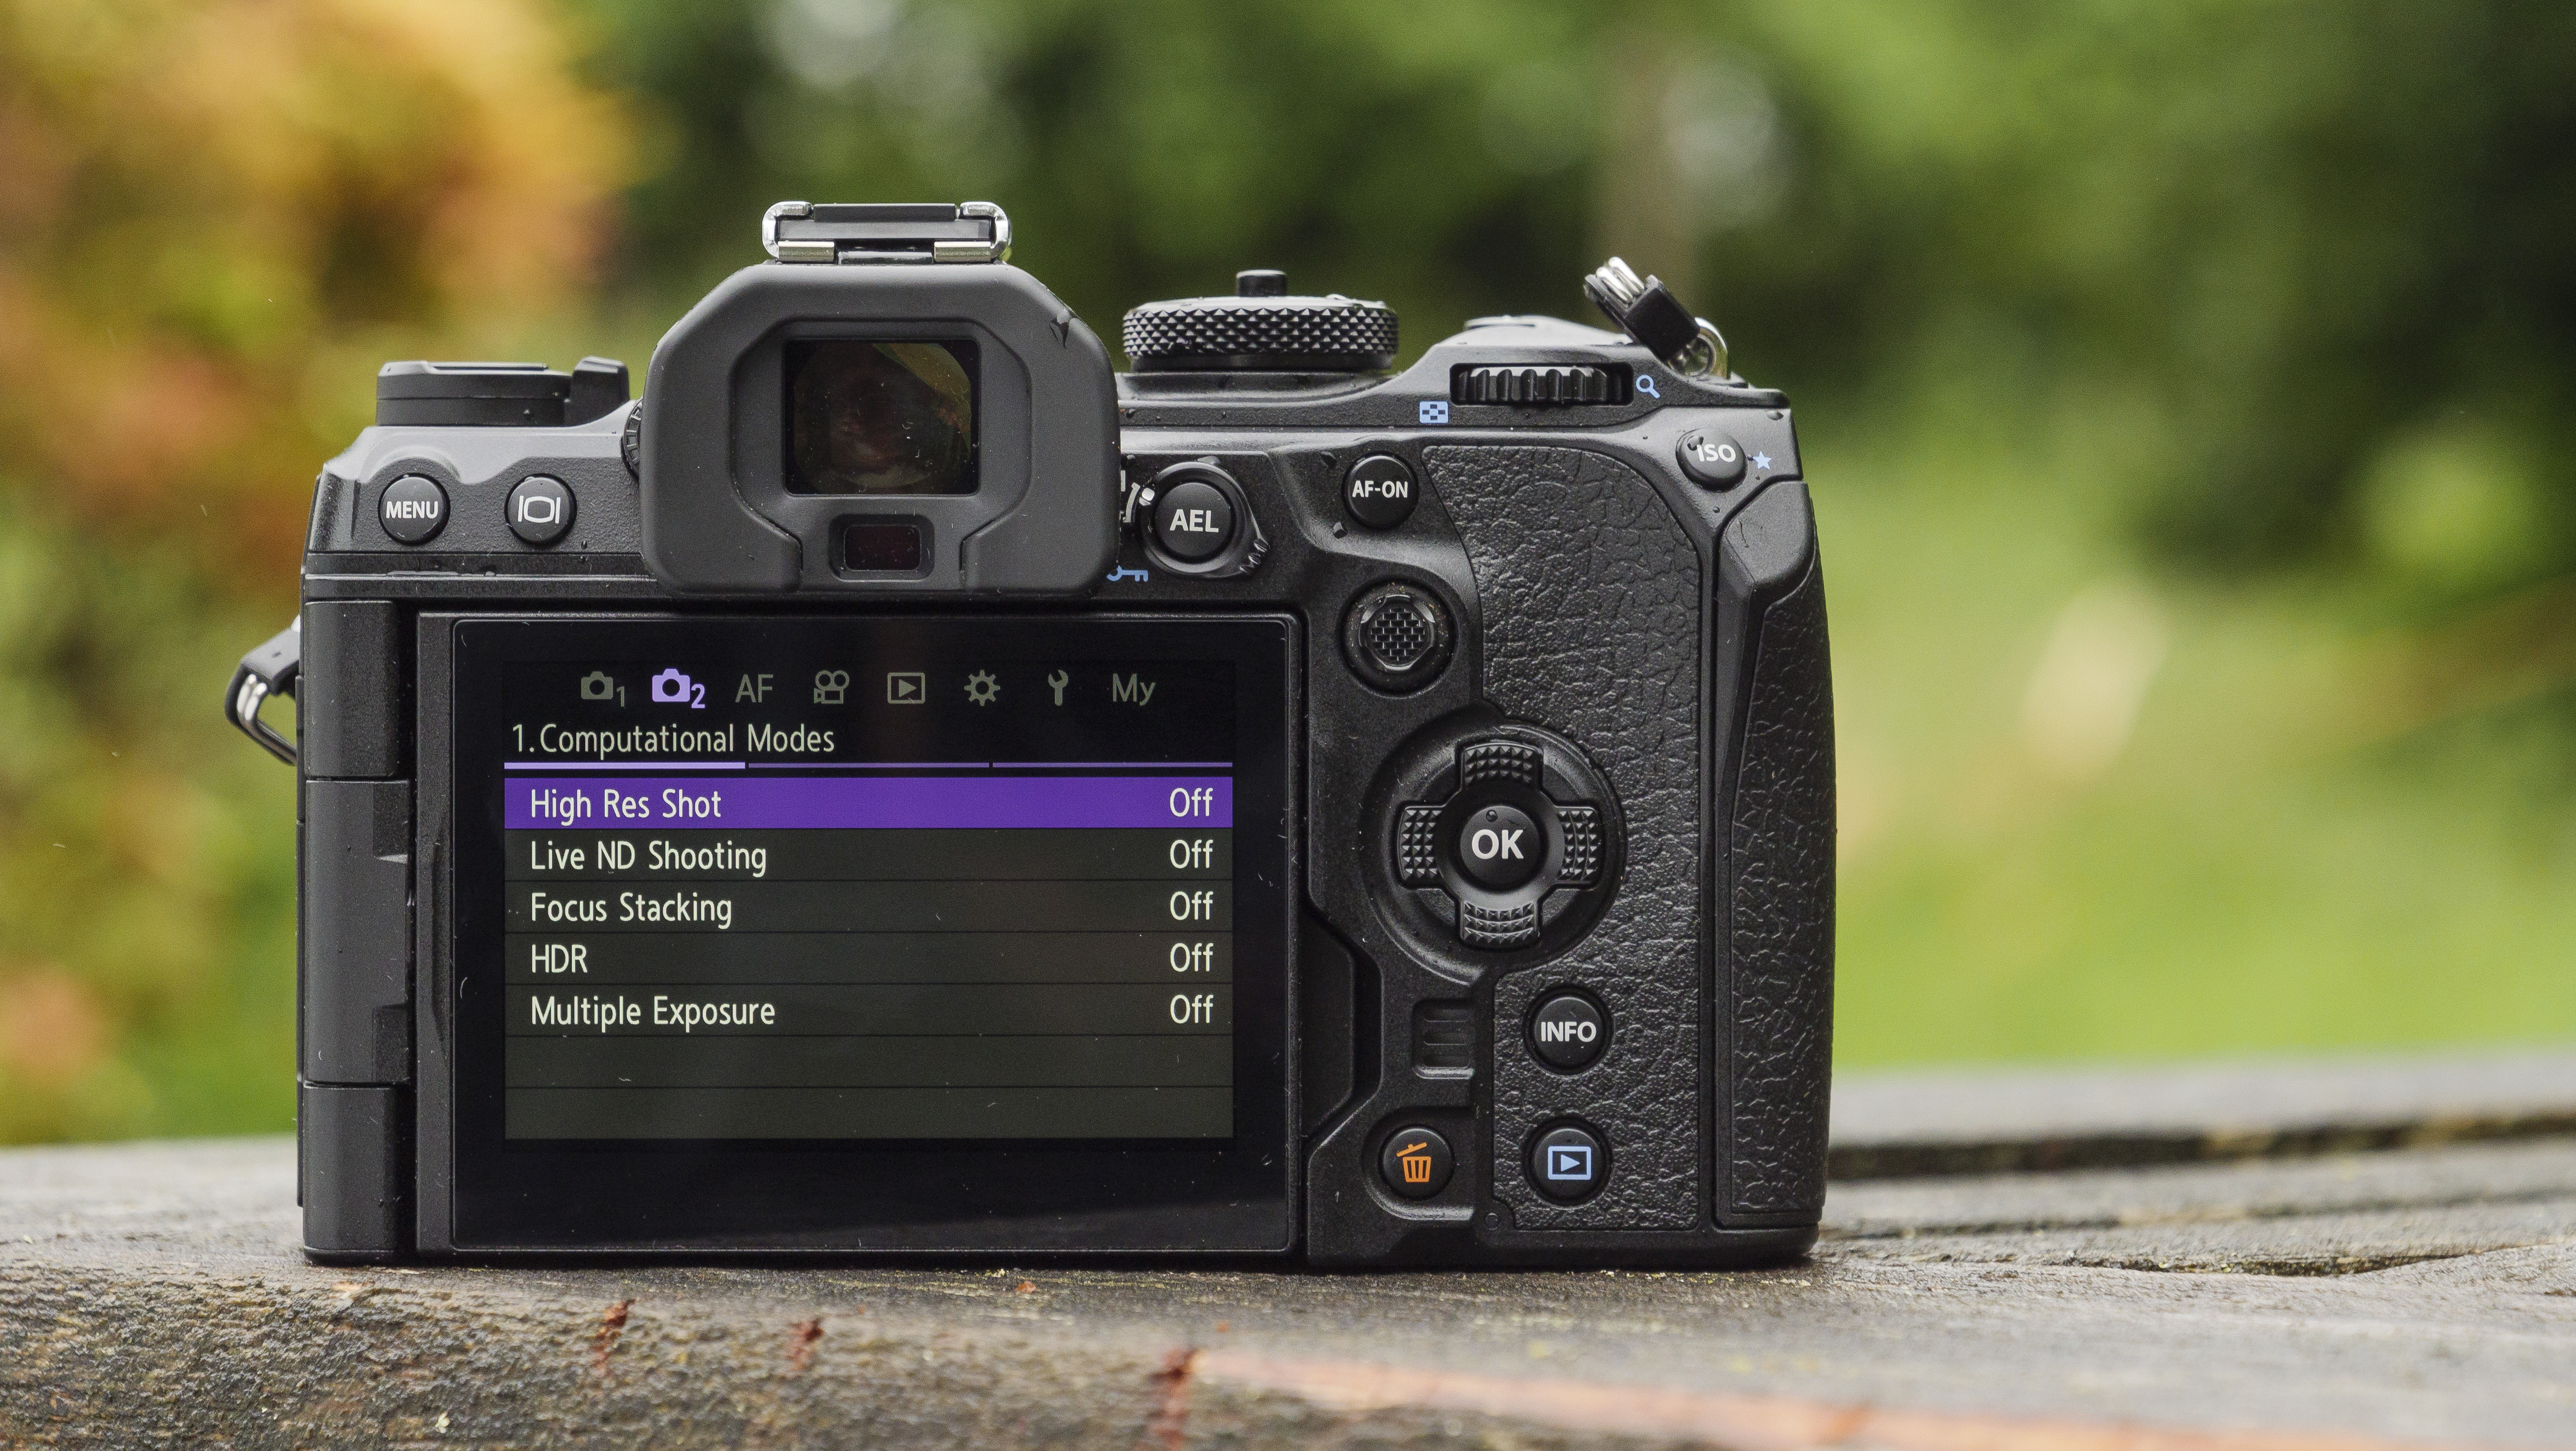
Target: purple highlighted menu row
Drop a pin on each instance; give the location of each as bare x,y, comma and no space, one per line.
841,803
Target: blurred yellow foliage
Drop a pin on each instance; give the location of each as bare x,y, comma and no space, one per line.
194,194
215,216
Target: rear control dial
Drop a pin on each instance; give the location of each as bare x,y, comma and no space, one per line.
1397,637
1537,386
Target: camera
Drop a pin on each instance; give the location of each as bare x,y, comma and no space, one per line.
902,787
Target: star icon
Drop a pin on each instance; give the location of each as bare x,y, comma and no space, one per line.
1762,460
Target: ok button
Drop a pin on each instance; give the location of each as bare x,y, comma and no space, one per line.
1499,847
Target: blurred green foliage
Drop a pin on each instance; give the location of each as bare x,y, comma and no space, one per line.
2185,388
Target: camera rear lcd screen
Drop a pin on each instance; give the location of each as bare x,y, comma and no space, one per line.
880,879
889,417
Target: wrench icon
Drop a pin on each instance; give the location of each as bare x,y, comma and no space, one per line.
1058,681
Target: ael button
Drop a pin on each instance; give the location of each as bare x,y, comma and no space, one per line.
413,509
1379,491
1193,521
1415,1163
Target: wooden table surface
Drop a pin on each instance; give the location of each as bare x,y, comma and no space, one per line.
2295,1255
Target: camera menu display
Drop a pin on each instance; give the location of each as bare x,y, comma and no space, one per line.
721,919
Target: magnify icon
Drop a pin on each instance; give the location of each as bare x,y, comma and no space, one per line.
1646,386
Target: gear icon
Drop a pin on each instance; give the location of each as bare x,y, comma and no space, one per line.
982,688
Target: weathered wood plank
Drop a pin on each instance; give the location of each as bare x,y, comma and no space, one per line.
1973,1120
149,1294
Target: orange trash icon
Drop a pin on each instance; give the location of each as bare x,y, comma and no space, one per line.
1416,1161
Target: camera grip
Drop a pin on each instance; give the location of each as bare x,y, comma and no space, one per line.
1591,599
1777,964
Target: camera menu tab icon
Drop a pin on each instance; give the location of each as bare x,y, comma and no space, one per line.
907,687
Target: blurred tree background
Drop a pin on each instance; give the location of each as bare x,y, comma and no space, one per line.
2185,385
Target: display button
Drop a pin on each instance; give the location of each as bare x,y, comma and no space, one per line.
540,509
1379,491
1568,1164
1500,847
1416,1163
1711,458
1194,521
413,509
1568,1032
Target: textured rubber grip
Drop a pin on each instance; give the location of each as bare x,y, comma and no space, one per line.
1591,597
1778,966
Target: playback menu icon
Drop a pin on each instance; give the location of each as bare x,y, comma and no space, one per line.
907,687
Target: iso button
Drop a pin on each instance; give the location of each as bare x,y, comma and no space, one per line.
1379,491
413,509
1712,459
540,509
1193,521
1568,1032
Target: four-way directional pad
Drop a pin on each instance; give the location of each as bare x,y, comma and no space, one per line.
1514,833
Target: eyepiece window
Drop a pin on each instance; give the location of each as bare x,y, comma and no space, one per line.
871,416
880,547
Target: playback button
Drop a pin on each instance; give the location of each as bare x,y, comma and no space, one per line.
1568,1164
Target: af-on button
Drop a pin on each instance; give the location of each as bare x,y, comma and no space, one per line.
1379,491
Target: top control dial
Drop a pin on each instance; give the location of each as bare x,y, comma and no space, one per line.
1261,327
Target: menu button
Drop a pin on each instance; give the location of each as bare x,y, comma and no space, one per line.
413,509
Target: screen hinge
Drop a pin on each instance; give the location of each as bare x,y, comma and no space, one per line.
886,232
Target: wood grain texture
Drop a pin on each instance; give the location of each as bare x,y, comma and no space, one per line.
150,1295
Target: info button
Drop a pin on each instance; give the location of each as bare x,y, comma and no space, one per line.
1568,1032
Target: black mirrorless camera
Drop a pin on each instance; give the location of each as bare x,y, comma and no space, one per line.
905,788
